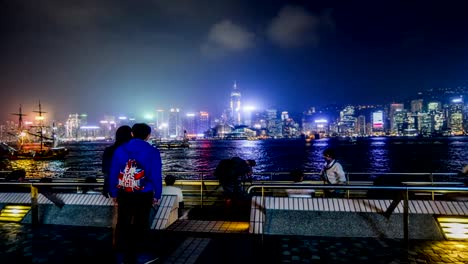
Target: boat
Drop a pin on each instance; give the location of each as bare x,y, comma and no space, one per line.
171,144
34,145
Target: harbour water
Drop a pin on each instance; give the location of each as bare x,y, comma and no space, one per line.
378,155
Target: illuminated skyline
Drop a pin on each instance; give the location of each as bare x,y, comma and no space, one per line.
130,57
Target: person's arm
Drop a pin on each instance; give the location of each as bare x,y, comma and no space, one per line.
340,174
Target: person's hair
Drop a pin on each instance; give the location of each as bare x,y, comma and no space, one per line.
252,162
297,175
123,134
169,180
329,152
89,179
141,130
465,170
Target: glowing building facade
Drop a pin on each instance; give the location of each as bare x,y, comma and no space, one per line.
235,106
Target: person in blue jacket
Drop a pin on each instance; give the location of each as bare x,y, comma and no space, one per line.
135,185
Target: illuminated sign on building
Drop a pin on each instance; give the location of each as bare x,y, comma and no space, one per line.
377,120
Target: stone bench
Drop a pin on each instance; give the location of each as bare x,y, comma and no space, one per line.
91,209
348,217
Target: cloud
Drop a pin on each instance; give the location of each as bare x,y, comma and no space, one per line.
225,37
294,26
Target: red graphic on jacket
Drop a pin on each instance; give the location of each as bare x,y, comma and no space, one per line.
131,178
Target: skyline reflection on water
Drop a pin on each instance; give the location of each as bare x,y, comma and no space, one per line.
384,154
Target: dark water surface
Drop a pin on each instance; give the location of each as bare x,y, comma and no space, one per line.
379,155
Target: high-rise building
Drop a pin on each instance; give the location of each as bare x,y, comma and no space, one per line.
394,109
73,124
455,118
417,106
235,106
174,123
190,124
273,123
203,122
361,125
347,123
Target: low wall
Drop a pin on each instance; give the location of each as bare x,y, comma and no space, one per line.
348,224
349,217
85,209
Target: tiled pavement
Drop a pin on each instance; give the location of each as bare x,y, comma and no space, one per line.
216,242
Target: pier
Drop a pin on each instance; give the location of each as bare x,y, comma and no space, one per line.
278,230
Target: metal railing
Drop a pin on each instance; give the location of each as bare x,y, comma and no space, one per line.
201,187
403,191
402,194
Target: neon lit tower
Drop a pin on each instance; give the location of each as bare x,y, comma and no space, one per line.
235,105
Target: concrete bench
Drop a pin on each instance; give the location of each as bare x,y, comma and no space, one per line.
347,217
91,209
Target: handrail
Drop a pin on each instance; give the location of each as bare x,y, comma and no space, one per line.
403,190
355,187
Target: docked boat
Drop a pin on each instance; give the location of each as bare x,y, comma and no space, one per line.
34,145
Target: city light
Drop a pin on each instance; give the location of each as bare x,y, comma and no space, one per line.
249,108
321,121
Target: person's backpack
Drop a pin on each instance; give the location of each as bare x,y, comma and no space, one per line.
132,178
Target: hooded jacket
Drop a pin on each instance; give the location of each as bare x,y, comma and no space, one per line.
150,159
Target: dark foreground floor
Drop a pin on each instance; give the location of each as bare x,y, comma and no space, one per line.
20,243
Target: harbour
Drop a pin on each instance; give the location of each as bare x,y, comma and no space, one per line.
367,155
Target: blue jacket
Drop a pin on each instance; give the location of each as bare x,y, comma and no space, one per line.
149,158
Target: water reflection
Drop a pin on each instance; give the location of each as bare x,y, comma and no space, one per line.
365,155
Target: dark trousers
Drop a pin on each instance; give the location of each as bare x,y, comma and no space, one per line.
133,222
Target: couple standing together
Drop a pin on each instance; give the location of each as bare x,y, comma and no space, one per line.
133,179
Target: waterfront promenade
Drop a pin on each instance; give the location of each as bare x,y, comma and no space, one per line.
216,242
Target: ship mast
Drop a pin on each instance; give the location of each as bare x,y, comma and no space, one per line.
20,118
40,118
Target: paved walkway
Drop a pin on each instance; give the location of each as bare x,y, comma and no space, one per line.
199,243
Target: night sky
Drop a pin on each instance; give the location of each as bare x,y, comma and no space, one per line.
121,57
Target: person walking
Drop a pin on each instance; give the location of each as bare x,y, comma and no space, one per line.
123,134
135,185
332,173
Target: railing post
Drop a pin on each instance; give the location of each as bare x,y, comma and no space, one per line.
34,206
431,177
406,216
201,191
265,212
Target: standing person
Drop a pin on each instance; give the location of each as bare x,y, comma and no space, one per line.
232,174
122,135
135,185
170,189
332,173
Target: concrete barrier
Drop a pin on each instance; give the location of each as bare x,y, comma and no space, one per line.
91,209
348,217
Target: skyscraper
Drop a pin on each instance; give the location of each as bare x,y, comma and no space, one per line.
235,105
175,124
